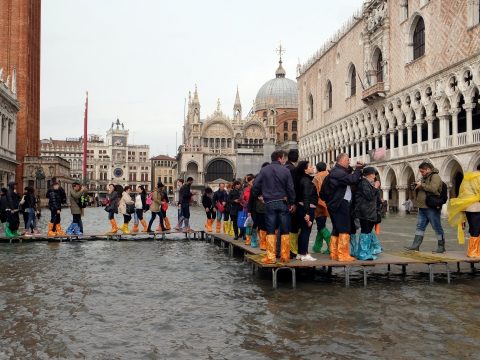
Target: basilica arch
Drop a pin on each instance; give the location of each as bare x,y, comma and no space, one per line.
218,169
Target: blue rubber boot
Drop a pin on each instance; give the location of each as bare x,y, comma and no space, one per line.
354,244
70,229
365,247
254,239
77,231
376,246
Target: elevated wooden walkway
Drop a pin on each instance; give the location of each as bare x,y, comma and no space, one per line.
400,258
140,236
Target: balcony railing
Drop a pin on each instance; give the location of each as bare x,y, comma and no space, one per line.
373,92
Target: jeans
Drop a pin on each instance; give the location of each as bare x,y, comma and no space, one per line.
31,222
305,230
185,210
77,219
219,215
152,219
426,216
277,217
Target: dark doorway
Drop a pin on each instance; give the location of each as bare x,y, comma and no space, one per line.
219,169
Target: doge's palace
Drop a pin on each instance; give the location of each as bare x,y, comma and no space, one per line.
396,85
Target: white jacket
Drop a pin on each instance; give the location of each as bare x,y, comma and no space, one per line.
122,206
138,202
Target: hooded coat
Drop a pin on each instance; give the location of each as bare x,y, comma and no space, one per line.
432,183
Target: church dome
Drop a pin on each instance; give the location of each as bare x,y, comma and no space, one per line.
280,93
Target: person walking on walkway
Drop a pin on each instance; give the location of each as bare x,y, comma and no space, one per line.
275,184
126,207
466,208
180,218
245,198
140,208
337,193
430,185
207,203
235,206
30,206
307,199
220,201
291,164
185,199
163,210
112,207
367,210
321,212
78,201
156,207
55,196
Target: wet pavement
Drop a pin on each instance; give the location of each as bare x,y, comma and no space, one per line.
188,300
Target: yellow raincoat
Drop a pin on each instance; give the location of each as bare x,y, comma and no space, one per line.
469,195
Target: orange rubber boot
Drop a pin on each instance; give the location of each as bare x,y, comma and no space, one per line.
218,226
270,257
135,228
50,230
59,230
248,239
263,240
334,247
344,248
473,247
166,222
285,248
144,225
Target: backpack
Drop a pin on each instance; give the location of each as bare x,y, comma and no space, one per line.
83,201
149,200
326,191
437,201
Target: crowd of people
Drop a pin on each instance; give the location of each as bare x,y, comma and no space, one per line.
275,209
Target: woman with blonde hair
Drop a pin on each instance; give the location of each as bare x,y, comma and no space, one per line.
126,207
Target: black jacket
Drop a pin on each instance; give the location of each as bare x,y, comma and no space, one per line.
30,201
307,193
185,195
3,203
336,184
207,202
54,199
235,207
221,196
367,200
275,182
13,200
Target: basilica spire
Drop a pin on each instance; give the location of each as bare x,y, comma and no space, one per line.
280,73
237,108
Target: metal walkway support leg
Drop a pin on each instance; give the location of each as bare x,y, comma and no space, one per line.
472,267
274,278
430,269
448,273
294,278
404,270
230,250
458,267
347,276
364,276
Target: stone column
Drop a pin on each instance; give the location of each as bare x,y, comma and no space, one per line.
419,135
454,113
469,108
384,140
364,146
370,143
377,141
385,190
400,140
352,149
402,196
357,151
392,139
409,138
443,118
429,120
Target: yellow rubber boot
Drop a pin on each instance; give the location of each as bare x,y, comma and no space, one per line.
125,229
294,243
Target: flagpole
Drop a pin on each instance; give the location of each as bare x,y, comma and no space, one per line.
85,127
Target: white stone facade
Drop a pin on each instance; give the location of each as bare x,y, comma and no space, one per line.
406,103
9,107
69,149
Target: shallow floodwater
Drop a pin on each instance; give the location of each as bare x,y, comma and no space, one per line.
188,300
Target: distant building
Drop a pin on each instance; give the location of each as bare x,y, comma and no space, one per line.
68,149
164,170
20,25
114,160
8,123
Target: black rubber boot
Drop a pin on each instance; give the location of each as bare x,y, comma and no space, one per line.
417,241
440,247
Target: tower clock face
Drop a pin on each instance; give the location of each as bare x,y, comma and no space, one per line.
118,172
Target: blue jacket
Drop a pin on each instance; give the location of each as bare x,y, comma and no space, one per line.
275,182
338,180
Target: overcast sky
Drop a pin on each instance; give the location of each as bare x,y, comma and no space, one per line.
139,58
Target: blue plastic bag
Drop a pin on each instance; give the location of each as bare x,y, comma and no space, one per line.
242,217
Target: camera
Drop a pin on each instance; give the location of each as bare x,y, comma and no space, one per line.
413,186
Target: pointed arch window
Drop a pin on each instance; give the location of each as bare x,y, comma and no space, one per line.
310,107
419,39
352,81
328,95
294,125
379,66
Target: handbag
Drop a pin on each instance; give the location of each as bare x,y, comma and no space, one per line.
164,206
130,208
220,206
242,217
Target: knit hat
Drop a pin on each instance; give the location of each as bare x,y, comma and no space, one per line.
369,171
